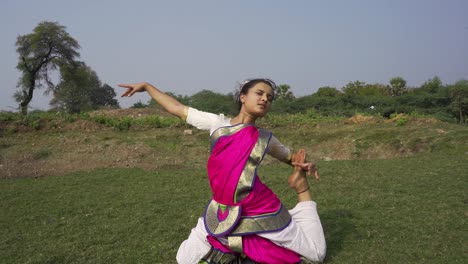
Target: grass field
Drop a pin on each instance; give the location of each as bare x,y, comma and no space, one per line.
401,209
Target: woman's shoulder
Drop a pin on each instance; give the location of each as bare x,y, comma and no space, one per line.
206,120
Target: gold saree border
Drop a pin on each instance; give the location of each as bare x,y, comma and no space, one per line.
263,223
221,228
235,243
225,131
244,185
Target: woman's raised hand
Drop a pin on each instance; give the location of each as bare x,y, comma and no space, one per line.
311,168
133,88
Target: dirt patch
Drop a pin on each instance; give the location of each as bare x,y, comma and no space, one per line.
396,118
359,119
425,121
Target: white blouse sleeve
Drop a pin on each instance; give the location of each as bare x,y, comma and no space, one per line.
206,121
279,151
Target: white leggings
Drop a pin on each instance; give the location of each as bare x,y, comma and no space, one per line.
304,235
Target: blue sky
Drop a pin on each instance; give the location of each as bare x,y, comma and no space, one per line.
187,46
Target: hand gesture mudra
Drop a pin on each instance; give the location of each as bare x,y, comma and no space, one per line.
310,167
133,88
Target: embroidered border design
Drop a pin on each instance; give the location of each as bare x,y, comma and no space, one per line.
246,180
263,223
225,131
218,228
235,243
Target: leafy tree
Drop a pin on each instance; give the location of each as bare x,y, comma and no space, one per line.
104,96
432,85
353,88
459,96
397,86
41,52
213,102
81,90
327,91
359,88
139,104
373,90
282,91
184,99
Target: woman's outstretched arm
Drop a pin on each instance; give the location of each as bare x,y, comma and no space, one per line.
170,104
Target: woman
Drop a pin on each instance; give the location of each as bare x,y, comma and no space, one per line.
245,219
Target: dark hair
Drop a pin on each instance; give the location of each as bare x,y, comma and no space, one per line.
249,83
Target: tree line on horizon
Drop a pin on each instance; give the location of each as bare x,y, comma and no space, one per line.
448,102
49,48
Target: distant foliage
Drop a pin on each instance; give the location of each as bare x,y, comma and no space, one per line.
139,104
283,92
213,102
81,90
184,99
397,86
448,103
458,93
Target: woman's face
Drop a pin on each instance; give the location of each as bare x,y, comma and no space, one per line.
258,99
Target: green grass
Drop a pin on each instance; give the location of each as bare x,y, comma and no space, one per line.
410,206
104,216
405,210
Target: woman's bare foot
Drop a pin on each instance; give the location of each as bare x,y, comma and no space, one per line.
298,179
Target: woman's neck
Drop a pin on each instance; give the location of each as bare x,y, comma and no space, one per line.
244,118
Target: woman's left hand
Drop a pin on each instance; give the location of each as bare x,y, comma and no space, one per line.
309,167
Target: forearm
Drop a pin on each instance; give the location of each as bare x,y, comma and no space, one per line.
169,103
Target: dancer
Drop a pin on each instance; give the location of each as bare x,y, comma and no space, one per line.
245,219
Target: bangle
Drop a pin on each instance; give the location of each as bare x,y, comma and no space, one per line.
303,190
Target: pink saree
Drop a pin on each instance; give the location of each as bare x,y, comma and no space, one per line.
242,206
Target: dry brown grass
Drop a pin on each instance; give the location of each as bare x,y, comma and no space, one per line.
85,145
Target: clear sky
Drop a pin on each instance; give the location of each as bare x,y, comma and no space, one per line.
187,46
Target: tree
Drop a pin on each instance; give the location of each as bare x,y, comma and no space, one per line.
432,85
373,90
459,96
81,90
327,91
213,102
282,91
104,95
397,86
353,88
184,99
138,105
46,49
